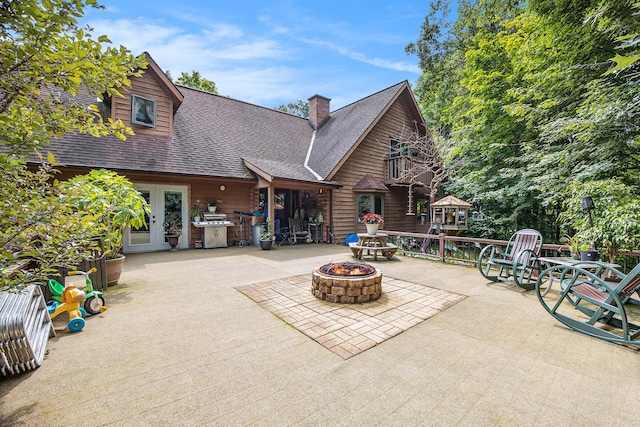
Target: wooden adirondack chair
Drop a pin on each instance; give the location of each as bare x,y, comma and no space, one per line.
517,263
591,305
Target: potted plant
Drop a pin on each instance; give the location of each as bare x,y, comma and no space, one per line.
196,212
212,205
112,204
372,222
173,229
266,236
588,252
310,206
573,243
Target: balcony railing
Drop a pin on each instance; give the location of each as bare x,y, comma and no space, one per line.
465,250
399,170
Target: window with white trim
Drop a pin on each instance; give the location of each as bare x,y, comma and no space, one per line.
370,203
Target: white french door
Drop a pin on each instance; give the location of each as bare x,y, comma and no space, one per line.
168,202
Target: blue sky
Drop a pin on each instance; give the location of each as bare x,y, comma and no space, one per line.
273,52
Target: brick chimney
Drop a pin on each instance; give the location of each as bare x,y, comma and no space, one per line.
318,110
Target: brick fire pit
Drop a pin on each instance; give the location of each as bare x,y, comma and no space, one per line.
346,282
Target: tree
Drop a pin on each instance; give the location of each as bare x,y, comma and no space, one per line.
37,224
46,60
196,81
298,108
422,163
526,106
616,217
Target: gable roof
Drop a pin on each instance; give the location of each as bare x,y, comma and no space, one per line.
451,201
211,135
217,136
170,88
347,127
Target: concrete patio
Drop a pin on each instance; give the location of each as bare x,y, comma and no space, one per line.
181,345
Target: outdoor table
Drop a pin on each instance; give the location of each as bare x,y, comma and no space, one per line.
548,262
373,243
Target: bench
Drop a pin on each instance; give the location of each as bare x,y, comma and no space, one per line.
388,250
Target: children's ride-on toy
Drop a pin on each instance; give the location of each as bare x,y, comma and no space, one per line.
71,299
94,300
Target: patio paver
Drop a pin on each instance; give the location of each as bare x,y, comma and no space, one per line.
349,329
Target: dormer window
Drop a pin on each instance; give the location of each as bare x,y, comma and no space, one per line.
143,111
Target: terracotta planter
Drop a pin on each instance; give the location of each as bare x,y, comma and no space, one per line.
114,270
372,228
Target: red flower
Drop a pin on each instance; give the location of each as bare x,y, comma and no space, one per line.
372,219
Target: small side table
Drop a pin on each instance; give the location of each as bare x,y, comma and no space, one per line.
316,232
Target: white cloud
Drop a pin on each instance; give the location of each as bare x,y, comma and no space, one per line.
356,56
264,87
268,64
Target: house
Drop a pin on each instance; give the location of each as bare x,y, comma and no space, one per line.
191,145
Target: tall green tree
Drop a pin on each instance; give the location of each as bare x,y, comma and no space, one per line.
528,108
46,59
298,108
196,81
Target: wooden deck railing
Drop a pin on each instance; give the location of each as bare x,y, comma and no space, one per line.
466,250
399,171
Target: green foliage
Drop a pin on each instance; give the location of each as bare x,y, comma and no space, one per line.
298,108
266,232
112,200
37,224
520,90
616,217
628,43
173,213
196,210
45,60
196,81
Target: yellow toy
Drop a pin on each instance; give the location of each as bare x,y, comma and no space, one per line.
71,299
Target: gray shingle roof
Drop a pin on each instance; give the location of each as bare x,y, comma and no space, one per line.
212,134
337,136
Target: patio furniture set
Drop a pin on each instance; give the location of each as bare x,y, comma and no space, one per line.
593,298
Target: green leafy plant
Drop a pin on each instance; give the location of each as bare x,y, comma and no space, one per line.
172,224
616,217
112,200
574,243
37,224
196,210
267,232
172,214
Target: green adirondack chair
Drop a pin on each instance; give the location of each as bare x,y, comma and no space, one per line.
590,302
517,264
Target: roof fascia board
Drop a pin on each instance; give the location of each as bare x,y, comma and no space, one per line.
305,184
261,174
171,88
